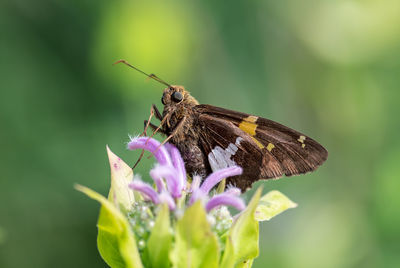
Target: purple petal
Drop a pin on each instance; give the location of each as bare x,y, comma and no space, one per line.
178,163
153,146
146,190
158,181
196,195
218,176
225,200
171,177
165,197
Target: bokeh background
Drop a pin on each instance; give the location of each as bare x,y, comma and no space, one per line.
329,68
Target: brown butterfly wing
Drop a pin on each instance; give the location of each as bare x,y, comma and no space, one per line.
270,149
226,145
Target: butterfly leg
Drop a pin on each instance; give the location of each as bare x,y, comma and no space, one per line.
159,128
176,130
153,127
157,112
147,123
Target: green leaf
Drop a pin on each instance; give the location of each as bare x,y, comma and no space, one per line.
115,239
159,243
271,205
195,244
121,176
242,242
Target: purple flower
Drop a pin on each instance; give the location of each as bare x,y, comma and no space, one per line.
229,197
178,163
170,175
145,190
171,166
218,176
225,199
170,178
153,146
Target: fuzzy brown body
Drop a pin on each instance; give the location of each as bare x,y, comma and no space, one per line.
210,138
186,138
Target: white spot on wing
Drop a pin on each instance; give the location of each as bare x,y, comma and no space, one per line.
221,158
238,141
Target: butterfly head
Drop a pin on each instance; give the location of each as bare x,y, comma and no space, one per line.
177,96
178,104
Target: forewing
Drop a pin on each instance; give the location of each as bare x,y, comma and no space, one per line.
295,152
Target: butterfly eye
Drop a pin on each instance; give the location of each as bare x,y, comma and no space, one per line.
162,100
177,96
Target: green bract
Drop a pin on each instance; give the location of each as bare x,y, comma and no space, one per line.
272,204
115,239
121,176
160,241
195,244
133,233
242,243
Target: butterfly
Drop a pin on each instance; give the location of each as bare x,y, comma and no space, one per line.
211,138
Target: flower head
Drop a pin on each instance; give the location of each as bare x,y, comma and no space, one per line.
170,171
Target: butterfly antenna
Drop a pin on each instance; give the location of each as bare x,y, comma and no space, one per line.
152,76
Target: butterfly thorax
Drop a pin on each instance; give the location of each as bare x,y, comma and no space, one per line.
180,121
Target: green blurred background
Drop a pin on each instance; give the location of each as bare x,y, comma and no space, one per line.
330,69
